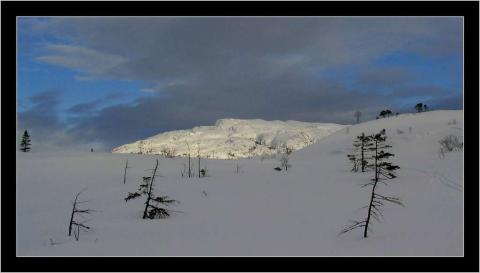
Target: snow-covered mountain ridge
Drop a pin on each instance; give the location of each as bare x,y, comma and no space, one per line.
234,138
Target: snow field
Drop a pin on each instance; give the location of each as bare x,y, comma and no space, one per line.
259,211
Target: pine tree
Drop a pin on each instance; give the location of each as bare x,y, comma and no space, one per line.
419,107
152,204
25,144
383,171
359,157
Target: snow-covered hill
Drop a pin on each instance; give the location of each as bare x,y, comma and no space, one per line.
253,210
233,139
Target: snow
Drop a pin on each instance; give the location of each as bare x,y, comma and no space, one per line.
234,138
258,211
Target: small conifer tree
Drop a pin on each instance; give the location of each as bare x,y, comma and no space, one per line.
419,107
383,171
359,157
25,144
152,204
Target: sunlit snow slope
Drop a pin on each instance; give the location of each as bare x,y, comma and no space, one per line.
233,138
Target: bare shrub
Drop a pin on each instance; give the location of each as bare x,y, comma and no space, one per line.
450,143
452,122
168,152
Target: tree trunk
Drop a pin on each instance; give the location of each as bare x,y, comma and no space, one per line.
71,222
189,170
149,195
373,194
362,149
125,173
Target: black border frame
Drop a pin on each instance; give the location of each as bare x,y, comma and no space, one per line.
468,9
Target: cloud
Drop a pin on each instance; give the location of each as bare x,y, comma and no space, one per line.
423,91
81,59
42,121
83,108
42,115
201,69
156,49
384,77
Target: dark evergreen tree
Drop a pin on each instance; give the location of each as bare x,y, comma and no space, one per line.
385,113
419,107
360,154
383,171
382,114
25,144
425,108
152,204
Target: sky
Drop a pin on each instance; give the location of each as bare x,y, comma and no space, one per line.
106,81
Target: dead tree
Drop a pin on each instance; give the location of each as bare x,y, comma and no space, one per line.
75,224
198,155
189,160
284,162
358,158
237,168
383,171
357,115
152,204
125,173
285,158
354,161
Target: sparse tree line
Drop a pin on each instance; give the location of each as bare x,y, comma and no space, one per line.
386,113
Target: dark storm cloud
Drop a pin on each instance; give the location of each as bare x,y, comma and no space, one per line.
211,68
43,123
423,91
452,102
42,116
168,49
383,77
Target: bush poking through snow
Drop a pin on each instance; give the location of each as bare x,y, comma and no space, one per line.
285,158
152,204
452,122
168,152
450,143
